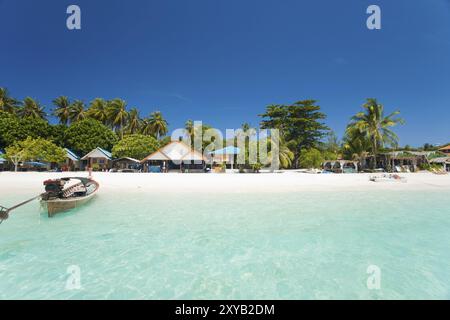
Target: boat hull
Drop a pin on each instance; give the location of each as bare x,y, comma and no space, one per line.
56,206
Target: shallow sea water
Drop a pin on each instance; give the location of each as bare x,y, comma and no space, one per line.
305,245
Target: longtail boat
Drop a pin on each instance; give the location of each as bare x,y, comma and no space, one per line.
67,193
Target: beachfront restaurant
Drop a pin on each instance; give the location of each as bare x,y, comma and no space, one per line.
399,161
98,159
176,156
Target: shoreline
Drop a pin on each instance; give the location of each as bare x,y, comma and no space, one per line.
12,183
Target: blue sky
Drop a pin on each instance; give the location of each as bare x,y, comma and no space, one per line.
223,61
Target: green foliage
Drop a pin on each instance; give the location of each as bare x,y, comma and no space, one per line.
31,109
300,125
13,129
135,146
311,158
155,125
35,149
85,135
375,126
7,103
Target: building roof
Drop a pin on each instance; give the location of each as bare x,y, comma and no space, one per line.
440,160
226,151
445,148
175,151
128,159
98,153
71,155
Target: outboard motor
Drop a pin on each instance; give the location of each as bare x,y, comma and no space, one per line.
53,188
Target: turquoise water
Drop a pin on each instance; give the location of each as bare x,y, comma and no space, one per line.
279,246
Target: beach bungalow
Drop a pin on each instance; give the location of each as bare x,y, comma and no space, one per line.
126,164
225,156
72,162
445,149
176,156
98,159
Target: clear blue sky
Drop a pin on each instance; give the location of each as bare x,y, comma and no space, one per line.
223,61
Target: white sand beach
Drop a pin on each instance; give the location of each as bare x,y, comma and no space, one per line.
288,181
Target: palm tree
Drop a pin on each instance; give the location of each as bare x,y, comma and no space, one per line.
285,155
117,114
375,126
355,146
98,110
7,104
156,125
134,121
62,110
31,109
77,111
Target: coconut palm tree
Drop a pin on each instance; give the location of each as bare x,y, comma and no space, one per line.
117,114
134,121
285,155
31,109
77,111
62,110
98,110
155,125
7,103
376,126
355,146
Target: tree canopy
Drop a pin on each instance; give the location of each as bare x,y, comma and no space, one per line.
300,125
13,129
86,135
35,149
135,146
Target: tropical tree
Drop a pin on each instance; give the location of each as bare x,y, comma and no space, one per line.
300,125
98,110
117,115
311,158
135,146
77,111
155,125
62,110
13,129
88,134
7,103
285,155
134,121
35,149
376,126
31,109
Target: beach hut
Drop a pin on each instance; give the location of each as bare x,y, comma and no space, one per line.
98,159
126,164
445,149
175,156
72,162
